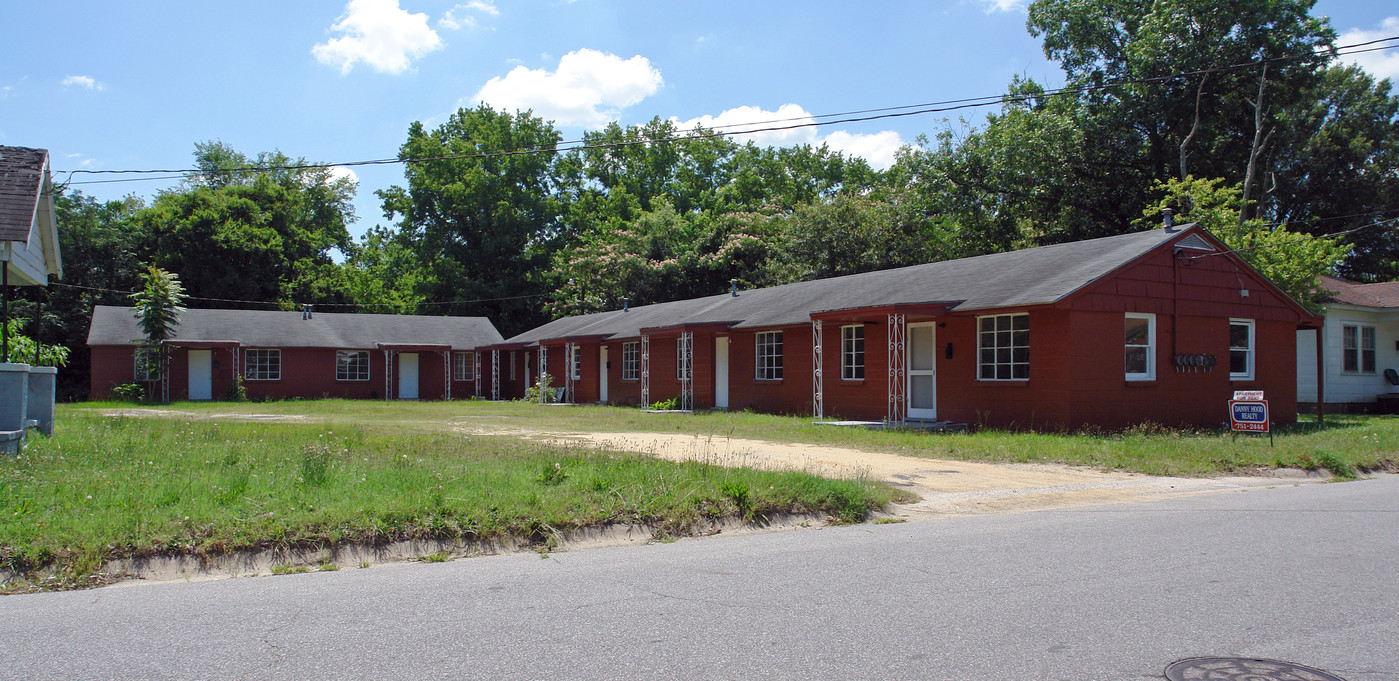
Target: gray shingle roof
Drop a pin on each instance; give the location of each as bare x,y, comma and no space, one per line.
1034,276
283,329
21,181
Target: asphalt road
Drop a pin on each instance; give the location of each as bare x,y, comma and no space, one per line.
1305,574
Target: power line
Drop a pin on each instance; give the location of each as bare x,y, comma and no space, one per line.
338,305
771,125
1300,239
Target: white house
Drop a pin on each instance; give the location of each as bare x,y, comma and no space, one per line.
1360,340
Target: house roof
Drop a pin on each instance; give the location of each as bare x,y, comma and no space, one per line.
287,329
1034,276
1382,294
21,185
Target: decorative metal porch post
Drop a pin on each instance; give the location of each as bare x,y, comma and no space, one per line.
388,374
898,407
817,389
447,372
645,372
687,378
495,374
568,372
543,370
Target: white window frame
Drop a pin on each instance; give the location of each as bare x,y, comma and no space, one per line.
631,361
1249,350
464,366
270,353
340,365
767,356
1150,373
852,359
576,362
1353,337
1002,354
683,360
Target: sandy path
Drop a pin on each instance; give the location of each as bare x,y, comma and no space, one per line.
947,487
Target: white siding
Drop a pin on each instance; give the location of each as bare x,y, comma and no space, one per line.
1340,386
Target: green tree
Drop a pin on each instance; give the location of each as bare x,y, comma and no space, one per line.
662,255
157,310
259,229
1291,260
481,219
854,233
98,241
382,274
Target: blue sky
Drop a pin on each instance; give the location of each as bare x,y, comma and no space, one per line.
133,85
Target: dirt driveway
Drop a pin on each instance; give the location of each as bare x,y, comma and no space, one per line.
947,487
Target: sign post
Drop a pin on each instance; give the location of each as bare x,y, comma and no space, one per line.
1248,413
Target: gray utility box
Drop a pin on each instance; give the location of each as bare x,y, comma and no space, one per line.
26,401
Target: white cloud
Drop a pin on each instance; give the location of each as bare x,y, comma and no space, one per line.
878,149
339,172
457,17
588,89
1003,5
380,34
1379,63
85,82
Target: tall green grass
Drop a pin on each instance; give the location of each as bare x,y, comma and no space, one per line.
1363,443
113,487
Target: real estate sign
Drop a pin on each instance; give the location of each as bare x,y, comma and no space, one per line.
1249,416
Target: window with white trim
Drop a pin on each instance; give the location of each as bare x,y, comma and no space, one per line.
1003,347
1241,349
351,365
1358,349
769,356
262,365
852,352
463,366
1139,346
683,358
147,365
631,361
576,365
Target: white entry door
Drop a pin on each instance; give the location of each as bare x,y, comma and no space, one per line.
721,373
201,374
922,365
408,376
602,375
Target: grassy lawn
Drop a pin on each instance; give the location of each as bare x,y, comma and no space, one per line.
344,472
107,487
1342,443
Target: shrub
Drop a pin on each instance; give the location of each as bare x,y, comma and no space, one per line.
129,392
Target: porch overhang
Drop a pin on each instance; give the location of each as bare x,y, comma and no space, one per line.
879,314
677,329
199,344
577,340
413,347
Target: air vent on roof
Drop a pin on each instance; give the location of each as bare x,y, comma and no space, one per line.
1194,241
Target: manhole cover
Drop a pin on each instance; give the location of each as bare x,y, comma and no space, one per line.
1243,669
